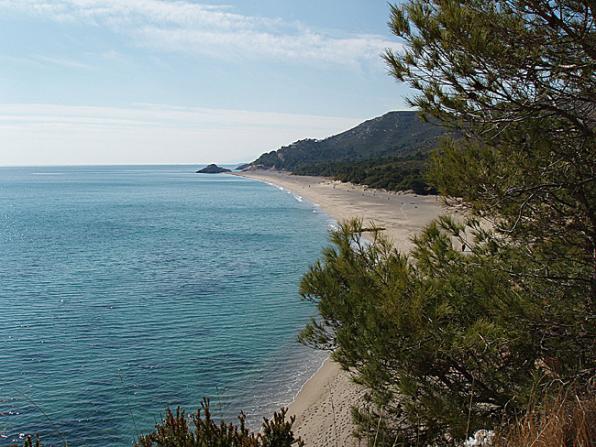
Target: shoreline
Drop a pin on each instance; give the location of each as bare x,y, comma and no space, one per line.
322,406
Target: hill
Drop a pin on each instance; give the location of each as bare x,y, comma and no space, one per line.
388,152
390,135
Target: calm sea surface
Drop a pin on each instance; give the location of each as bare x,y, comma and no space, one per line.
124,290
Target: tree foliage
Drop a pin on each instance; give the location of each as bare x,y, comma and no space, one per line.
485,315
391,174
201,430
174,431
446,342
392,134
388,152
516,79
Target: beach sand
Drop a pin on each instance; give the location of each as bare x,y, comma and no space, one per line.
323,405
401,214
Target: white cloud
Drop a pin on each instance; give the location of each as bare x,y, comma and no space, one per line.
56,134
62,62
182,25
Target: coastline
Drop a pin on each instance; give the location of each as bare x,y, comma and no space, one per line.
322,407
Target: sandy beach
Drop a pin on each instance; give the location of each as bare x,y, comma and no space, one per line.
323,406
401,214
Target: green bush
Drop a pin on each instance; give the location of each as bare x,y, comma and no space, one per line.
174,431
201,430
478,321
445,341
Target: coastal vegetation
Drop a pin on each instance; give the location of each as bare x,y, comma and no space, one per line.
388,152
174,431
488,322
392,174
177,429
490,316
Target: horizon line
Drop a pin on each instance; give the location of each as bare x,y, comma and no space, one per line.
74,165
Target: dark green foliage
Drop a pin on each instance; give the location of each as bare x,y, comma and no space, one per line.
516,79
485,317
178,430
393,134
389,152
446,342
392,174
175,431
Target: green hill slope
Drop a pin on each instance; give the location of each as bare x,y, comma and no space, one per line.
388,152
390,135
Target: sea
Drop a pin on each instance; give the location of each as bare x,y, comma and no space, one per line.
125,290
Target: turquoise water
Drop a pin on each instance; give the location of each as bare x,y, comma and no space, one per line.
124,290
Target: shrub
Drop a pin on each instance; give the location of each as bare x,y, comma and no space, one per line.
175,431
446,341
201,430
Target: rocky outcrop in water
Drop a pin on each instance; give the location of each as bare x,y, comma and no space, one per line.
213,169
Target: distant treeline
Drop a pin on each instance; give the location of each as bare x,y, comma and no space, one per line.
392,174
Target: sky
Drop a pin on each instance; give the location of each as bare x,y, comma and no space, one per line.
186,81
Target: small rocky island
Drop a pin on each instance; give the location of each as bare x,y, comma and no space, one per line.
213,169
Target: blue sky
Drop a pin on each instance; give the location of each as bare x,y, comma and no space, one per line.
186,81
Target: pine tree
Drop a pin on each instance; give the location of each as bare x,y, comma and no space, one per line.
447,342
516,79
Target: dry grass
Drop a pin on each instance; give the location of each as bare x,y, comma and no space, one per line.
566,421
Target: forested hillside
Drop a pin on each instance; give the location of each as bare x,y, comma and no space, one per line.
389,152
